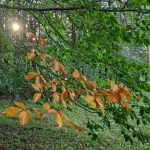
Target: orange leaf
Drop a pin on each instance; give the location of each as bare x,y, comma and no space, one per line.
42,42
30,56
83,78
38,87
47,85
72,94
100,103
126,106
76,74
36,97
62,69
39,114
56,65
79,91
11,111
30,75
64,95
47,106
56,97
54,88
124,92
24,117
20,104
114,97
92,84
43,57
71,125
58,119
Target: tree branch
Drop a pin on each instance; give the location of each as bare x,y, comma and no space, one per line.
73,8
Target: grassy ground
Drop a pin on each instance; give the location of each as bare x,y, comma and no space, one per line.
45,136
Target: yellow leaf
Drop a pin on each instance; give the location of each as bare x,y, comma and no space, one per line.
83,84
64,103
76,74
58,119
37,80
24,117
30,75
36,97
20,104
47,106
90,100
11,111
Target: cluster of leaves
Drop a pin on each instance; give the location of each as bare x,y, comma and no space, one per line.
62,92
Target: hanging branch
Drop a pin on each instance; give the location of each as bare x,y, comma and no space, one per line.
146,11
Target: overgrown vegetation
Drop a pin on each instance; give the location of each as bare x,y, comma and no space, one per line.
98,39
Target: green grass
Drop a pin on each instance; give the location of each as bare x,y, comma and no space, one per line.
39,135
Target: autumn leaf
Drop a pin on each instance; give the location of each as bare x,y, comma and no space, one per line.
30,55
37,80
38,87
38,114
114,97
90,100
76,74
54,87
30,75
83,78
43,57
56,97
24,117
58,119
100,103
56,65
79,91
83,84
36,97
64,103
20,104
92,84
70,124
42,42
11,111
62,69
71,94
47,106
59,67
64,94
114,86
124,92
126,106
47,85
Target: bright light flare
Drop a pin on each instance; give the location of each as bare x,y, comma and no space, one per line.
16,26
